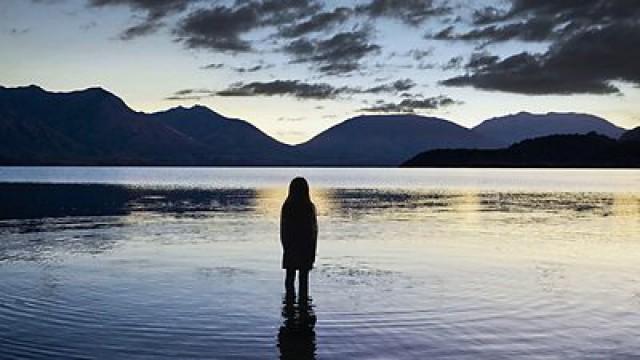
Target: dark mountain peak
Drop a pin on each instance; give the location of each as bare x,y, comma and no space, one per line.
40,102
632,135
387,140
513,128
94,126
201,108
568,113
392,117
195,108
394,123
196,112
549,116
97,92
34,89
97,96
176,109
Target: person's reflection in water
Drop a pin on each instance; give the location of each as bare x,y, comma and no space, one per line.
297,336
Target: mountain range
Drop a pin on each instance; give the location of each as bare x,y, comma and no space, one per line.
95,127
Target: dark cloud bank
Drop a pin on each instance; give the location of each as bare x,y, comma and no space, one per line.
411,105
324,91
593,44
338,54
155,11
225,26
294,88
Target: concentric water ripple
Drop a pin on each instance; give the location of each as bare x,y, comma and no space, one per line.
405,270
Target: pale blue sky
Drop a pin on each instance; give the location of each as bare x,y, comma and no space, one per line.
67,45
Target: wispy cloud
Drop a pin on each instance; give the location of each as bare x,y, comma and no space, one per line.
411,105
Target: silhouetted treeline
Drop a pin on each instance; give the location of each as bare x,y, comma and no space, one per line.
574,151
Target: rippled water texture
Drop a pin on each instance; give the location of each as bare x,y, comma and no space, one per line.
103,263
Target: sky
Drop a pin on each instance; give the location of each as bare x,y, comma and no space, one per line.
296,67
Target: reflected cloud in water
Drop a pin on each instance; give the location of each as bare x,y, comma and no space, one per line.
387,203
391,203
37,220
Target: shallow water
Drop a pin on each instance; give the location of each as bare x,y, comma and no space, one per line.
139,263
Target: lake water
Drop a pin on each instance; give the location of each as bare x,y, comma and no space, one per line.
183,263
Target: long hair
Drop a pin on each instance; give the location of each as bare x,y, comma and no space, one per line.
299,192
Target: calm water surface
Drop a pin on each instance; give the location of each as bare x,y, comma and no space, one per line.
153,263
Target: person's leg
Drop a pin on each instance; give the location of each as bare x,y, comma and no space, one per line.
304,284
289,282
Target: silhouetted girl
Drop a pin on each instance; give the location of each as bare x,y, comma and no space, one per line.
298,234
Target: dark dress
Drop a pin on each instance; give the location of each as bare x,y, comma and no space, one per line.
298,234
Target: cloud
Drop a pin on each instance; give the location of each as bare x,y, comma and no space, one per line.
293,88
481,60
412,12
254,68
419,55
221,27
396,86
529,30
217,28
240,69
453,63
144,28
318,22
17,31
154,9
192,91
191,94
291,119
591,11
280,12
338,54
593,44
586,62
488,15
213,66
411,105
543,20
